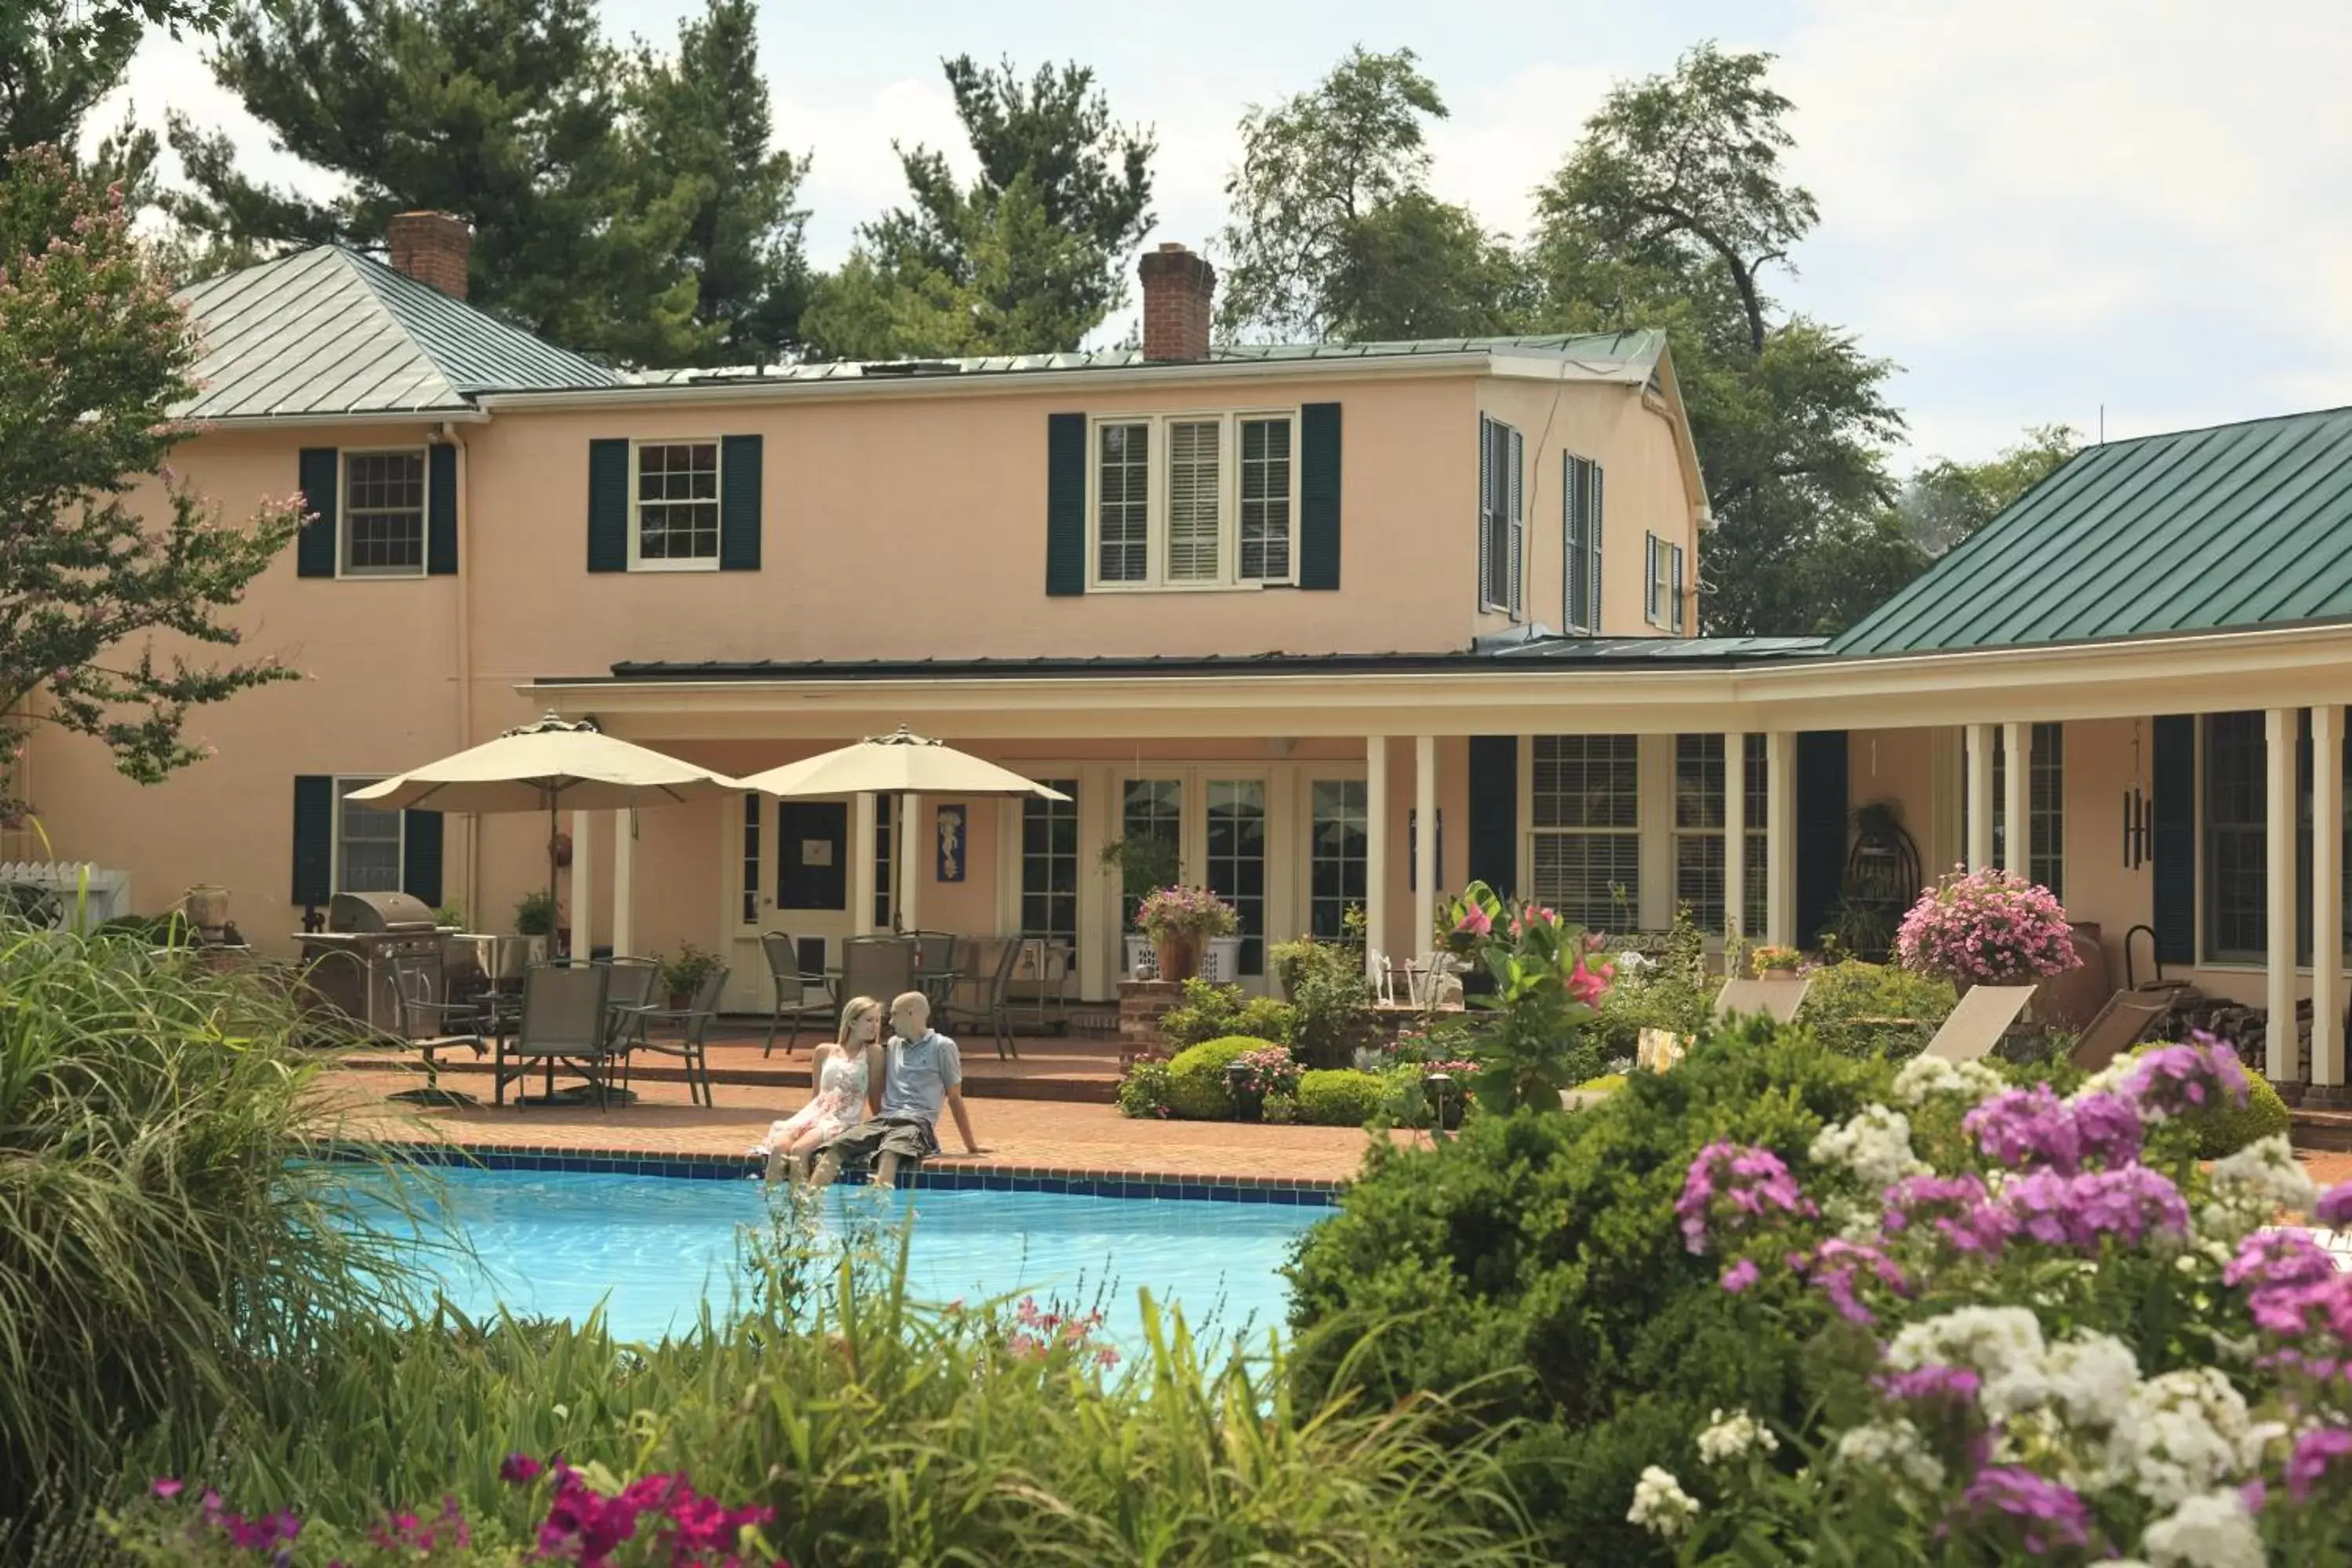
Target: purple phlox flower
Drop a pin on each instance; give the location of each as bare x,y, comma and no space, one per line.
1958,1206
2173,1080
1833,1267
2080,1211
1930,1385
2026,1126
1741,1275
2336,1204
1748,1184
2315,1452
2269,1258
2053,1515
2107,1128
2255,1495
518,1468
260,1534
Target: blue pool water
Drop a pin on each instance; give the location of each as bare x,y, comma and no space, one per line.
652,1248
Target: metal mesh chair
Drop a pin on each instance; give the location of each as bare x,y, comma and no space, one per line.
876,966
792,982
630,993
429,1021
983,998
693,1038
565,1018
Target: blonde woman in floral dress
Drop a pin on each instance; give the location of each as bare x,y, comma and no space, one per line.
841,1072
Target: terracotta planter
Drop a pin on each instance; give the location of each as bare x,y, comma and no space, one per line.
1179,956
1776,975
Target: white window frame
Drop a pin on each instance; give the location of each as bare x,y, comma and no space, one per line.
1641,832
342,785
343,567
637,563
1580,501
1158,475
1513,571
1659,575
1676,614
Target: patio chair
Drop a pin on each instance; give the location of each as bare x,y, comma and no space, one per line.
985,1001
428,1022
693,1038
1977,1025
1776,999
876,966
791,982
2129,1017
565,1018
626,1001
936,977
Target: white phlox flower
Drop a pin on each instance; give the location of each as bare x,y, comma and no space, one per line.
2185,1433
2213,1530
2251,1187
2092,1378
2106,1081
1875,1145
2002,1345
1891,1448
1660,1504
1729,1437
1922,1077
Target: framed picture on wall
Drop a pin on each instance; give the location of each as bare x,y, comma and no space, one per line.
951,824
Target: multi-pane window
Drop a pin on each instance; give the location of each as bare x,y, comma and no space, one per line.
753,804
1664,591
885,878
1236,861
1049,864
2236,912
1585,856
1337,855
1266,499
1698,830
1502,524
1580,538
2045,809
676,504
367,843
1195,500
1152,809
384,514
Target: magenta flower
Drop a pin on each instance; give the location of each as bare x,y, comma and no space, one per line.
2052,1515
2336,1204
1741,1275
2081,1212
1930,1385
167,1486
1958,1206
2175,1080
2315,1452
516,1469
1589,985
1747,1182
1475,921
1834,1267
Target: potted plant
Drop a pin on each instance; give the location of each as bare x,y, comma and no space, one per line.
683,976
1775,963
1178,920
1986,928
535,915
1144,861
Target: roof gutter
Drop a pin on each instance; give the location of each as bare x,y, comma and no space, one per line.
228,422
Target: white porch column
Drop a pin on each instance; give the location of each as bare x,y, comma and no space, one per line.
1376,847
1980,846
2327,895
584,885
861,817
2279,737
908,906
2017,760
1780,837
1424,858
1101,944
624,882
1735,837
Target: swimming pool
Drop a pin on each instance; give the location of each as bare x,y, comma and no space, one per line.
652,1248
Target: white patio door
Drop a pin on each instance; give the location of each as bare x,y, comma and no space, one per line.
788,862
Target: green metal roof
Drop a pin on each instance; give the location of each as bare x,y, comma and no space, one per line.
329,331
2238,526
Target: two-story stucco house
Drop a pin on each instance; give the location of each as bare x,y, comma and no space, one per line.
1346,625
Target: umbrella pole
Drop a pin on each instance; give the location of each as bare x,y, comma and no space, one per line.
553,908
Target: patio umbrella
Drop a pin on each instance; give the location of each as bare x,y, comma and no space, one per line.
900,763
548,766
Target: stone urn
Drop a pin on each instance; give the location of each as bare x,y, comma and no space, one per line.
208,908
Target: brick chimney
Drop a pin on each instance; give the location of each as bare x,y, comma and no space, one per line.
1178,290
432,248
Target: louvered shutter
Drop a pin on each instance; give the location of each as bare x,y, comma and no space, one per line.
441,509
420,855
1571,543
1319,496
1674,611
1486,513
2173,838
1517,459
1493,789
608,506
319,471
314,839
1065,505
1193,526
740,481
1592,515
1650,579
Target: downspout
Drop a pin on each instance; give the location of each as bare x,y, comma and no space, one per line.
466,568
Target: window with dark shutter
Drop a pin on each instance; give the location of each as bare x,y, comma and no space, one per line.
1502,451
314,839
320,471
1065,505
1580,542
608,506
441,510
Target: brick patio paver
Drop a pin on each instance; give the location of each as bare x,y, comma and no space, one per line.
1030,1135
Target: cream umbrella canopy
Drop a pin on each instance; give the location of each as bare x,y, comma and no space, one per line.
900,763
548,767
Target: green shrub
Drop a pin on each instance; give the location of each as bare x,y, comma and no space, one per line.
1208,1011
1533,1264
1340,1097
1144,1091
1842,995
2223,1130
164,1255
1196,1078
1648,999
1331,999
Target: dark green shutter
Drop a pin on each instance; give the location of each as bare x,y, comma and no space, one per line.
1319,496
739,503
420,855
2173,842
1065,504
441,510
1495,812
1821,827
314,839
314,552
608,506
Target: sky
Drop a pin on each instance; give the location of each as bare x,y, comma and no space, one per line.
2132,215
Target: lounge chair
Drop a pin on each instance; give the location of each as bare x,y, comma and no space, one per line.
2129,1017
1975,1026
1776,999
565,1019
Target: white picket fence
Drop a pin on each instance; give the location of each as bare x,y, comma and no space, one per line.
86,894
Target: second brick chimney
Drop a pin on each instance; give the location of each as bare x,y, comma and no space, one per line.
1178,288
431,248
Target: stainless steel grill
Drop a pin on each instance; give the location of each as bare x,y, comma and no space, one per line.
349,962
